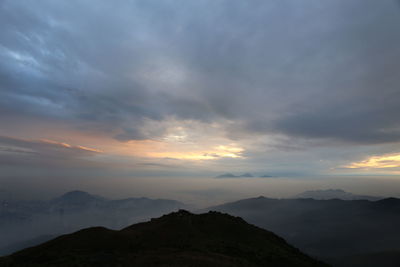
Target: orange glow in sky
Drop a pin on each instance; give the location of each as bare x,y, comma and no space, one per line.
377,162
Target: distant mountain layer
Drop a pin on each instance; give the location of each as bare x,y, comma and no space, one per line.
334,194
79,197
244,175
177,239
230,175
325,228
22,222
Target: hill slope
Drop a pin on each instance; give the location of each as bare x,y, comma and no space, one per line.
178,239
325,228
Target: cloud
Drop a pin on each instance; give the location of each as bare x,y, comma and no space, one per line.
16,150
281,72
212,153
377,162
185,140
276,79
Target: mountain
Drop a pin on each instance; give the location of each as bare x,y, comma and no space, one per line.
230,175
325,229
77,197
244,175
226,175
76,200
177,239
334,194
25,244
23,221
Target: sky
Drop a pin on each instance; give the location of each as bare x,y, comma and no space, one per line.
105,89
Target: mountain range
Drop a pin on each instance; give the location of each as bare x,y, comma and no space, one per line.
177,239
340,232
244,175
334,194
23,222
327,229
230,175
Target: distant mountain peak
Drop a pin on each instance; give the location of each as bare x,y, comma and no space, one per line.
267,176
226,175
230,175
75,193
77,196
334,190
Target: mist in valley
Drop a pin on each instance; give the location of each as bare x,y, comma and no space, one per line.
317,221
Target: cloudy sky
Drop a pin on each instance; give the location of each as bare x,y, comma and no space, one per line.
194,88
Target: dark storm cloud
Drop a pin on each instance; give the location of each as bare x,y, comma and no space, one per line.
303,69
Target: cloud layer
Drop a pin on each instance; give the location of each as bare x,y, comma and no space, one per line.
268,75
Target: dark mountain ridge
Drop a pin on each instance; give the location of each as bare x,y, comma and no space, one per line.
334,194
177,239
325,228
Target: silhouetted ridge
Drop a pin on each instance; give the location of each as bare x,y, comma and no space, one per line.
334,194
330,229
390,201
177,239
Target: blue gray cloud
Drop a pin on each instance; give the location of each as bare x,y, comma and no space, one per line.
307,70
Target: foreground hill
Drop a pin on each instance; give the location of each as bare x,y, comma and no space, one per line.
326,228
177,239
376,259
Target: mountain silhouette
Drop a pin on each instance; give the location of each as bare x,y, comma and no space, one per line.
334,194
230,175
25,222
227,175
77,197
328,229
177,239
